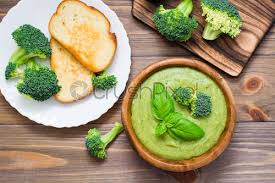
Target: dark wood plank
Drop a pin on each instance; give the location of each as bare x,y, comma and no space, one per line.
230,55
250,157
36,153
40,153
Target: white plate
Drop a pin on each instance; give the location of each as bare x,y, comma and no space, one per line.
51,112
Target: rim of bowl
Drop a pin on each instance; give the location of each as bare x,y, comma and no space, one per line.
195,162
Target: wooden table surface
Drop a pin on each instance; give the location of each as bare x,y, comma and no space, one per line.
33,153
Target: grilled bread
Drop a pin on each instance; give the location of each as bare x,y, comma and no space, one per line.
85,32
73,77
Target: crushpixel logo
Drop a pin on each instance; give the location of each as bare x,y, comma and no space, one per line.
78,89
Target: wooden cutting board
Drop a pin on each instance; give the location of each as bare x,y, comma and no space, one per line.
230,55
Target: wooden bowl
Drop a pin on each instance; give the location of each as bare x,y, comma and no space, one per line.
196,162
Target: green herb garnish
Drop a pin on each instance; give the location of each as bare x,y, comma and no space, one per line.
162,103
170,121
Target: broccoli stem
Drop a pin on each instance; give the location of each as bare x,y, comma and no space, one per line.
186,7
20,52
21,56
209,33
110,136
18,58
24,59
103,73
31,63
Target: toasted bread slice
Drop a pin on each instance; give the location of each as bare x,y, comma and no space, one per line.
73,77
85,32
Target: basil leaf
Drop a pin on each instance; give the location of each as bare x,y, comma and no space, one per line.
172,119
162,103
183,128
172,122
161,129
172,135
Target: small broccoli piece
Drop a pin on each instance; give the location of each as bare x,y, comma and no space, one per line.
32,43
175,24
104,81
221,17
183,95
201,105
96,143
38,82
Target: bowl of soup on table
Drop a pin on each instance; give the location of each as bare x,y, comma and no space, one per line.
179,114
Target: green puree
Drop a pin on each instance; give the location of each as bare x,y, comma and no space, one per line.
144,122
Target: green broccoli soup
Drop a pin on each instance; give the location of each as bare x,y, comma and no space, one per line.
207,129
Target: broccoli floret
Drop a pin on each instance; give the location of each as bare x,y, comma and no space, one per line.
199,102
183,95
11,71
201,105
175,24
32,43
104,81
32,40
96,143
221,17
38,82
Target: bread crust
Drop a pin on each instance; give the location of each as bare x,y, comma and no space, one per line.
90,64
